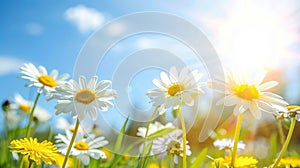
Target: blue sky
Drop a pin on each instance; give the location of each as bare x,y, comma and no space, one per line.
52,33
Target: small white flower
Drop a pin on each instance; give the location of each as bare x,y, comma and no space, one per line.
176,89
84,97
227,144
40,78
171,144
83,148
25,106
153,127
250,94
289,112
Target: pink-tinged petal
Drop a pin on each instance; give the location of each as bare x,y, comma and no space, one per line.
267,85
255,110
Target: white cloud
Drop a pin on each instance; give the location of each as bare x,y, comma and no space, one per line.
9,65
34,29
84,18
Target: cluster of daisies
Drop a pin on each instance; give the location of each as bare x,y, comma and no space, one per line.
175,89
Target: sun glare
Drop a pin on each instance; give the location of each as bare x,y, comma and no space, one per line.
256,36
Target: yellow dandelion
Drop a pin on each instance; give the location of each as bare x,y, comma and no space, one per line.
241,162
59,159
35,151
290,162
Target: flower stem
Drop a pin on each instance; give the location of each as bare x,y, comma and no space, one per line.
172,161
236,138
71,143
286,143
30,163
183,137
280,130
31,115
147,130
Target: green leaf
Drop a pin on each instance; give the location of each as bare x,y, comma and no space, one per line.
200,158
294,154
160,133
273,147
120,136
174,113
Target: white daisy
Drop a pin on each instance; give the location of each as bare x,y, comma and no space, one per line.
171,144
83,148
176,89
25,106
40,78
153,127
227,144
290,112
84,97
250,94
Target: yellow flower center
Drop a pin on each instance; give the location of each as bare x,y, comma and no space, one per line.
47,80
80,145
175,88
24,107
72,129
174,148
292,107
247,92
85,96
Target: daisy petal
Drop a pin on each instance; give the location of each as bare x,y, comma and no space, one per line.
267,85
255,110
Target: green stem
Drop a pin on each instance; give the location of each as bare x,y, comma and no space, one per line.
30,163
280,130
78,163
183,137
146,137
31,115
172,161
286,143
236,139
71,143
